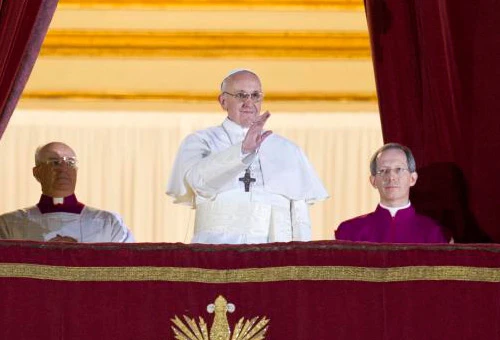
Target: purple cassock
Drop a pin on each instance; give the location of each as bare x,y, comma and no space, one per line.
379,226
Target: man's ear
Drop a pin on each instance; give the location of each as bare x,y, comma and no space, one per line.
413,178
222,101
372,181
36,171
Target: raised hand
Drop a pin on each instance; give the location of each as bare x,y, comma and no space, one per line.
256,134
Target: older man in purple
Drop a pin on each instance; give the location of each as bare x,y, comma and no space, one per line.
393,173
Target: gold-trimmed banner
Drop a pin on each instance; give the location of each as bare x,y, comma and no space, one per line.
193,97
207,44
249,275
217,4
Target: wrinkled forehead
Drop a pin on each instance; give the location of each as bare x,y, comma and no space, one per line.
55,150
392,157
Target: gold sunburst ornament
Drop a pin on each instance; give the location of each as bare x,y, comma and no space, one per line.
252,329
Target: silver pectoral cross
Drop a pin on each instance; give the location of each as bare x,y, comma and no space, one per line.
247,179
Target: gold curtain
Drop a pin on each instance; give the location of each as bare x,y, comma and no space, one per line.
125,159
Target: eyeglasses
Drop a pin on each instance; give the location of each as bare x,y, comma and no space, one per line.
387,172
243,96
55,162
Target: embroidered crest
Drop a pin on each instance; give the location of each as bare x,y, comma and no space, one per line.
189,329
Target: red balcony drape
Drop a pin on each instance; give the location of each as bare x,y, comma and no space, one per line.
313,290
437,69
23,26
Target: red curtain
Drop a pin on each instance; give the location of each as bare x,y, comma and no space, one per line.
437,66
23,26
308,291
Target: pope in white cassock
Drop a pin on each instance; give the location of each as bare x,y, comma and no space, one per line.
246,184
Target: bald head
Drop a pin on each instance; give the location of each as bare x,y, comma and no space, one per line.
55,169
236,74
51,148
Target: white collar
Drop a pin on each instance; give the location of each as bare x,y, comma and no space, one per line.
234,131
57,200
394,210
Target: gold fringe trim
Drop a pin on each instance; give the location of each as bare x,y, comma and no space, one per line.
203,44
216,4
196,97
270,274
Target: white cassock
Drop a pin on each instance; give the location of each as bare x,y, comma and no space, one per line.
207,175
91,225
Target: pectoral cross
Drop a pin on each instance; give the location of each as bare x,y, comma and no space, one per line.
247,179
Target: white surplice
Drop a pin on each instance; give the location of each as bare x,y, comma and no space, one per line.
90,226
206,175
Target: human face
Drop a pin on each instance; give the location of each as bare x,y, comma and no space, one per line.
242,112
58,179
394,189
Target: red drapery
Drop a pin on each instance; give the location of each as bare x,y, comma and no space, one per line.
316,290
437,69
23,26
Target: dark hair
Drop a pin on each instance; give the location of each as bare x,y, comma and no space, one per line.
410,160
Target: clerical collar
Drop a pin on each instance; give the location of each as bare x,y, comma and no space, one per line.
235,132
394,210
67,204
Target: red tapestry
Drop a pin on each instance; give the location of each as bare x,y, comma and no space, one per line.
314,290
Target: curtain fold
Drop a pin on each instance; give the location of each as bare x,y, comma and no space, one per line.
23,26
436,68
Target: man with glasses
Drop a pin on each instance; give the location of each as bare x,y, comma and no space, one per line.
246,184
59,216
393,173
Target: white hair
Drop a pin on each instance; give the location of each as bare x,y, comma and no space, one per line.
37,155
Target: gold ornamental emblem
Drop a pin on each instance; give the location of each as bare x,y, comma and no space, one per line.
189,329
